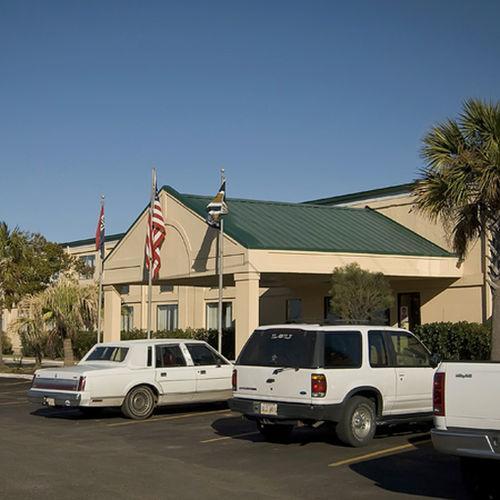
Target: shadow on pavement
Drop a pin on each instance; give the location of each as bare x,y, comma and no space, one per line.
420,472
110,413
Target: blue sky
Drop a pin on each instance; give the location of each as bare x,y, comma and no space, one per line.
297,100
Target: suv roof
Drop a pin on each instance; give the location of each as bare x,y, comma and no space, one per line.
317,327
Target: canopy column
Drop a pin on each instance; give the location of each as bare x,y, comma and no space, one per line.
112,313
247,306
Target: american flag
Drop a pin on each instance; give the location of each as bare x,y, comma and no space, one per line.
155,236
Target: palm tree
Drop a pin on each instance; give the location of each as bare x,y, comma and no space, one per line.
31,327
69,308
461,186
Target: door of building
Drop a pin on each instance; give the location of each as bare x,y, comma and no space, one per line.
408,310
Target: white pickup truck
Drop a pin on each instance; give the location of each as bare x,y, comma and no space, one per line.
467,421
136,376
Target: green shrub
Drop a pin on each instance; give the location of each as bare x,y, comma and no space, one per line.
6,344
209,336
456,341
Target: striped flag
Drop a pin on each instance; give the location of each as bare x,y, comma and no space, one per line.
99,233
217,207
155,236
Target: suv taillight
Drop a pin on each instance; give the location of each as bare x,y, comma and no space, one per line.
81,384
438,394
318,385
234,379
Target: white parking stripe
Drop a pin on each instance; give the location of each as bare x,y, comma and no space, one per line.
213,440
169,417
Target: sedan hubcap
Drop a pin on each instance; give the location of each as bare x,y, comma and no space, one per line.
141,403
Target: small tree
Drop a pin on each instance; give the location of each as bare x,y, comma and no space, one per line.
68,308
360,296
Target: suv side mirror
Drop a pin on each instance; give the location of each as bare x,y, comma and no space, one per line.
435,360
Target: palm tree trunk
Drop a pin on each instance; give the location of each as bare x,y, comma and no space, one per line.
1,349
68,352
495,331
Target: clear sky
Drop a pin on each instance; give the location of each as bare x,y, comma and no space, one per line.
296,99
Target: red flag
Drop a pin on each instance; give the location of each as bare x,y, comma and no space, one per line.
99,233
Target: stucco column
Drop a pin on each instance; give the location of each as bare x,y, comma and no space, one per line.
112,313
247,306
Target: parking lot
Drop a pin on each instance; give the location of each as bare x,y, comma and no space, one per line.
203,452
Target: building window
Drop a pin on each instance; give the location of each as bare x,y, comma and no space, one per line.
88,262
124,289
166,288
293,309
212,315
127,319
167,317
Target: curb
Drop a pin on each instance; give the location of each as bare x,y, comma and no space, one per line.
16,375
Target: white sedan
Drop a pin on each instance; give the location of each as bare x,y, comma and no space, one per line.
137,376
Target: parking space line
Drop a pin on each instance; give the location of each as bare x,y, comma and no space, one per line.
374,454
170,417
13,403
213,440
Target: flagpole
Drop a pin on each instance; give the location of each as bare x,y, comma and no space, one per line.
221,272
150,273
101,273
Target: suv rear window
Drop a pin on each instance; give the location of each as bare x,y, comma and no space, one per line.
283,348
342,350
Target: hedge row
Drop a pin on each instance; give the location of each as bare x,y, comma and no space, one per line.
456,341
85,340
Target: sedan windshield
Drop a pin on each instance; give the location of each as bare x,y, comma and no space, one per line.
108,353
285,348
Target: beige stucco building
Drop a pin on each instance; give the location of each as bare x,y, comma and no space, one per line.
278,260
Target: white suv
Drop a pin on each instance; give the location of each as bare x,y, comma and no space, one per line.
355,376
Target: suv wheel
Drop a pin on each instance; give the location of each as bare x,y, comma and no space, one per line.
139,403
275,432
358,423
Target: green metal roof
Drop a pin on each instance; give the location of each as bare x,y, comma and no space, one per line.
364,195
90,241
297,226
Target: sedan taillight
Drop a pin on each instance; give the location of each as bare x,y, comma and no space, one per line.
234,379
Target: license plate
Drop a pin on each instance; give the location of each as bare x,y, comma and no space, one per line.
50,401
269,408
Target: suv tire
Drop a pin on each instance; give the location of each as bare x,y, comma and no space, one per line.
358,423
276,433
139,403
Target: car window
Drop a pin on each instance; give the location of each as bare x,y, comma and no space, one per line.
169,356
108,353
279,347
342,350
203,356
409,351
377,350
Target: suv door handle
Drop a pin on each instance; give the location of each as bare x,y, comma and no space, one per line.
202,372
163,374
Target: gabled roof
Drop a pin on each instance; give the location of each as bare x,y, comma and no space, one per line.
306,227
364,195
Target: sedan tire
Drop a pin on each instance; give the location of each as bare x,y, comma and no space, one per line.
139,403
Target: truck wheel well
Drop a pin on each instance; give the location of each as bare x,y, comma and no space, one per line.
368,393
